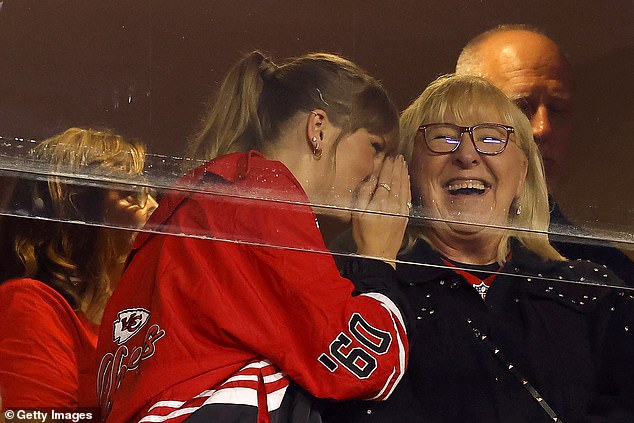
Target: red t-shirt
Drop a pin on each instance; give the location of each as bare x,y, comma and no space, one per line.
199,321
47,350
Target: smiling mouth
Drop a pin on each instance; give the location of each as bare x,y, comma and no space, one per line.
470,187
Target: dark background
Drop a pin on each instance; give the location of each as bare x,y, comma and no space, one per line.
146,67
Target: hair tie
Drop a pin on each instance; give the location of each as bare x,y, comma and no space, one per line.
267,69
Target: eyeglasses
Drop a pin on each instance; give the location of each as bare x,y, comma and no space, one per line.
487,138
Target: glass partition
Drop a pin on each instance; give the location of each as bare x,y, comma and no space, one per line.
150,71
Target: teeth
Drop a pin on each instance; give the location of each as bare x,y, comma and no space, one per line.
466,184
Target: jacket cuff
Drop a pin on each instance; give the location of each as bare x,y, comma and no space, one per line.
368,275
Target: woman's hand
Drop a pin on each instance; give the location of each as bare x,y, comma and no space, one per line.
128,209
379,232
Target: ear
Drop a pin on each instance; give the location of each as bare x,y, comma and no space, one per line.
317,121
316,126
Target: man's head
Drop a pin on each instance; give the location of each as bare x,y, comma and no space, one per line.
531,69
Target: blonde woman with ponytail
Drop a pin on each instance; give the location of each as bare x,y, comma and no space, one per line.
254,299
61,274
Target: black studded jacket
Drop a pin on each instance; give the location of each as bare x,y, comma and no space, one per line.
539,347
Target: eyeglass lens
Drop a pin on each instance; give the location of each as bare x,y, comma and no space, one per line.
445,138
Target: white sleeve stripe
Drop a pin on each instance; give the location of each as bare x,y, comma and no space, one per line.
252,378
274,399
232,395
387,385
206,393
394,312
242,396
401,359
173,414
274,377
389,304
170,404
257,365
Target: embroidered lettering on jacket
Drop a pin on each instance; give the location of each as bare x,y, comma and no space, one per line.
114,366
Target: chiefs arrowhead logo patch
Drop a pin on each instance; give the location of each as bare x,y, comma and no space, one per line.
129,322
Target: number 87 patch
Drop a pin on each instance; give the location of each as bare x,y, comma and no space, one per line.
359,361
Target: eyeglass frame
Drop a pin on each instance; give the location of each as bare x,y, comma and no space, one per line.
468,129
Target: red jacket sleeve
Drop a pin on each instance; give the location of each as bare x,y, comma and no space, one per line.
38,364
285,300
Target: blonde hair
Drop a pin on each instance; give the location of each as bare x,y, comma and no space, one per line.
474,97
70,257
257,98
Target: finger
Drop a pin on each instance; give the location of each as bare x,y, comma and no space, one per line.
385,176
397,170
401,196
383,187
365,192
398,173
406,192
395,202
